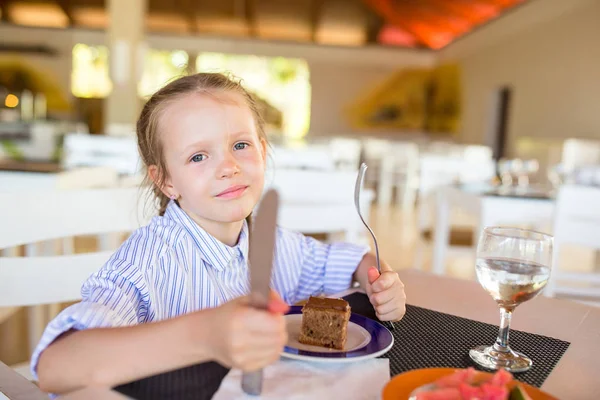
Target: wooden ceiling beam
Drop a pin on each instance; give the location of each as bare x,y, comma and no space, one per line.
4,10
189,12
67,8
373,27
316,13
250,15
385,10
373,23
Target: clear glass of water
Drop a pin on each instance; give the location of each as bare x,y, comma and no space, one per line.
513,266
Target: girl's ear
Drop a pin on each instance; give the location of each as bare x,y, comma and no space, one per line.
264,146
165,186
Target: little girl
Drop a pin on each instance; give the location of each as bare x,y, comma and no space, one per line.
174,294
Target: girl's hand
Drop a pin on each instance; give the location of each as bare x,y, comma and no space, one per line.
386,293
247,338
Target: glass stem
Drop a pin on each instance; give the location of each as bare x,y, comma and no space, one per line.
502,340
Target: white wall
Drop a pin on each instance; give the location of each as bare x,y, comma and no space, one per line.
334,86
548,51
338,74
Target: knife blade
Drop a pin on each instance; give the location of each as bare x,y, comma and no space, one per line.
262,246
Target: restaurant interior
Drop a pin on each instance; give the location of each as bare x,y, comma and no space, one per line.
468,114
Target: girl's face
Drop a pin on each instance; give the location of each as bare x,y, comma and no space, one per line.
214,157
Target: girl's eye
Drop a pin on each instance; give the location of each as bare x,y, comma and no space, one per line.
241,146
198,158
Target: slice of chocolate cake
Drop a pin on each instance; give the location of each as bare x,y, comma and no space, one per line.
325,322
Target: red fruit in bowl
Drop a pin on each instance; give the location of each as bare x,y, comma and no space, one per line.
469,392
501,378
491,392
469,384
455,379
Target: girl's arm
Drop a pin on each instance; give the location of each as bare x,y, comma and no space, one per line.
234,335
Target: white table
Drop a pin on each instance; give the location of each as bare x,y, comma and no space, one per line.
490,210
576,375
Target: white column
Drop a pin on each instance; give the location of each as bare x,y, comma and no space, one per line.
125,37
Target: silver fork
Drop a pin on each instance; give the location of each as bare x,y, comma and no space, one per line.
357,189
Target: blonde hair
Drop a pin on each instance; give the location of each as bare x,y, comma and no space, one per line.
148,135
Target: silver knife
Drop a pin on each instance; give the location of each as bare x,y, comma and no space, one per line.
262,246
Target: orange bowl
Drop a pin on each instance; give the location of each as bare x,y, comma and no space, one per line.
401,386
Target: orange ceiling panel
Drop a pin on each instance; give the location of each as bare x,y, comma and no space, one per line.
434,23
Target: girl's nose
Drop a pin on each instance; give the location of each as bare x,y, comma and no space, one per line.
228,168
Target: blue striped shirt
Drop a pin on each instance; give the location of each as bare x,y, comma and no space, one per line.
172,267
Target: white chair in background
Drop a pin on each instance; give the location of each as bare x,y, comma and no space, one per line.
75,178
435,171
478,165
444,148
580,153
87,178
136,180
474,166
576,222
42,277
345,152
476,153
309,156
313,186
118,152
392,165
114,129
373,152
320,202
399,168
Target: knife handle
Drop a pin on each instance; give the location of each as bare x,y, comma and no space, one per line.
389,325
252,382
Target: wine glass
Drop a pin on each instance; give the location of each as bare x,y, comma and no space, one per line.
530,168
504,172
516,171
513,266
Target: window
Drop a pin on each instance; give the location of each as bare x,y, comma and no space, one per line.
89,75
283,83
160,67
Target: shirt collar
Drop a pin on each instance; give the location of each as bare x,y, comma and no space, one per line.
216,253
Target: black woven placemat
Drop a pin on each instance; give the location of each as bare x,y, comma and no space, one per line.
426,339
198,382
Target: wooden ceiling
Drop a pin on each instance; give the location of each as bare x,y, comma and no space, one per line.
429,24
